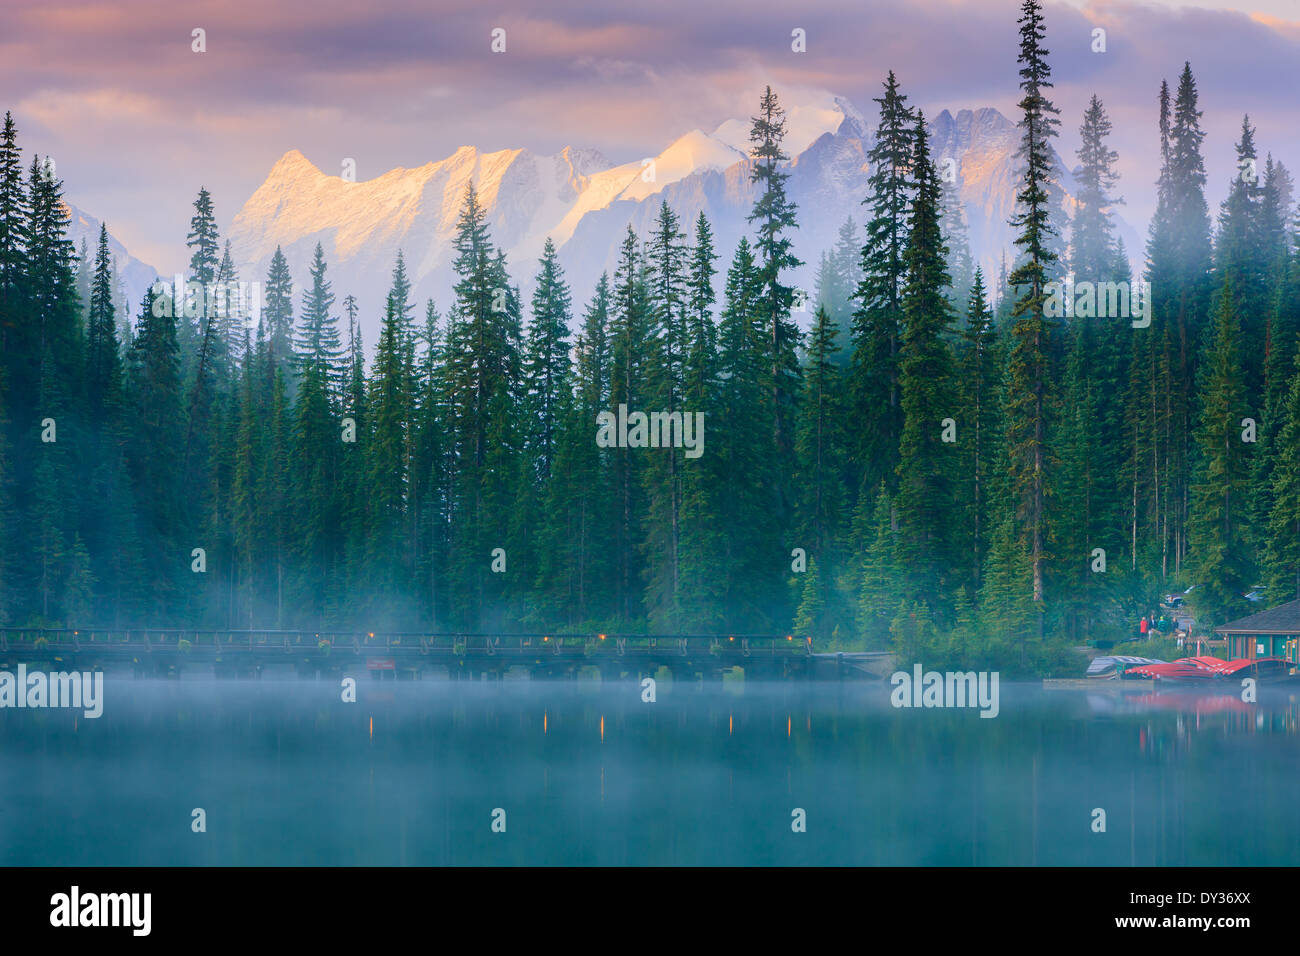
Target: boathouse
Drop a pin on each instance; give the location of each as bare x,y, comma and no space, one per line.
1271,633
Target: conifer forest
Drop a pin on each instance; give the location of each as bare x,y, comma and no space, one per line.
918,454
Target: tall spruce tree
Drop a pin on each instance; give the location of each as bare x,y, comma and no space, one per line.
103,361
774,216
1219,513
630,332
276,320
878,320
1029,370
669,345
928,465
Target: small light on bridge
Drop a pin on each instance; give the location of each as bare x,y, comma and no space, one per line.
372,633
789,637
546,638
731,638
602,637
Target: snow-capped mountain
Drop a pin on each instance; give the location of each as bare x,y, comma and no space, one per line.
585,204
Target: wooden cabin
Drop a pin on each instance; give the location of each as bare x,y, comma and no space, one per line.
1271,633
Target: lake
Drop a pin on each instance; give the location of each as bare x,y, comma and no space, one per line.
286,773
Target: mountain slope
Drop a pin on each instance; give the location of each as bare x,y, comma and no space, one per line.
586,204
133,275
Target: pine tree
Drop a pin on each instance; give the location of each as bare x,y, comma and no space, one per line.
1029,370
837,284
245,506
546,367
1181,300
103,361
484,349
1282,550
927,468
956,238
203,239
575,565
388,401
662,478
1096,368
977,370
195,331
205,382
774,215
51,295
273,491
318,344
314,457
157,438
546,393
276,322
1240,253
1092,242
430,490
878,320
810,618
231,315
882,577
820,441
16,349
1218,529
630,331
749,559
702,351
700,588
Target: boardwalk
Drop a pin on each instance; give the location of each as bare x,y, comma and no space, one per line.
412,655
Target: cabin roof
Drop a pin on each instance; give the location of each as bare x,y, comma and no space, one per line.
1283,619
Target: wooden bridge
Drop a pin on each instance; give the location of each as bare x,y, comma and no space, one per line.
411,655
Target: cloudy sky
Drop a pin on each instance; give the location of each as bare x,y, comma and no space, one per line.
136,121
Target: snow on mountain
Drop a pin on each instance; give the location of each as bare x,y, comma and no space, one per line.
362,225
805,123
585,204
693,153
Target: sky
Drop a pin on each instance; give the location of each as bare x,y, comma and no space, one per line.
136,121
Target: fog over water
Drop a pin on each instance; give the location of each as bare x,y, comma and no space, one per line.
410,774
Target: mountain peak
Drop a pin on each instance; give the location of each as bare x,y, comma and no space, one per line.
690,153
807,119
291,165
585,204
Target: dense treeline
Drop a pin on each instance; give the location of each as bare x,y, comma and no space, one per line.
940,461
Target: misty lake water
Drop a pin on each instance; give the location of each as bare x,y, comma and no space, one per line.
586,773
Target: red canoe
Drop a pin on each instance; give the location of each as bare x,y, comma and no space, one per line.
1184,669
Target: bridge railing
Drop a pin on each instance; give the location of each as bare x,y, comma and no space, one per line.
745,645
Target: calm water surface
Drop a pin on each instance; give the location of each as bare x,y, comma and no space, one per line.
589,774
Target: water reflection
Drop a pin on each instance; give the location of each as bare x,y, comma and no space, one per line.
589,774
